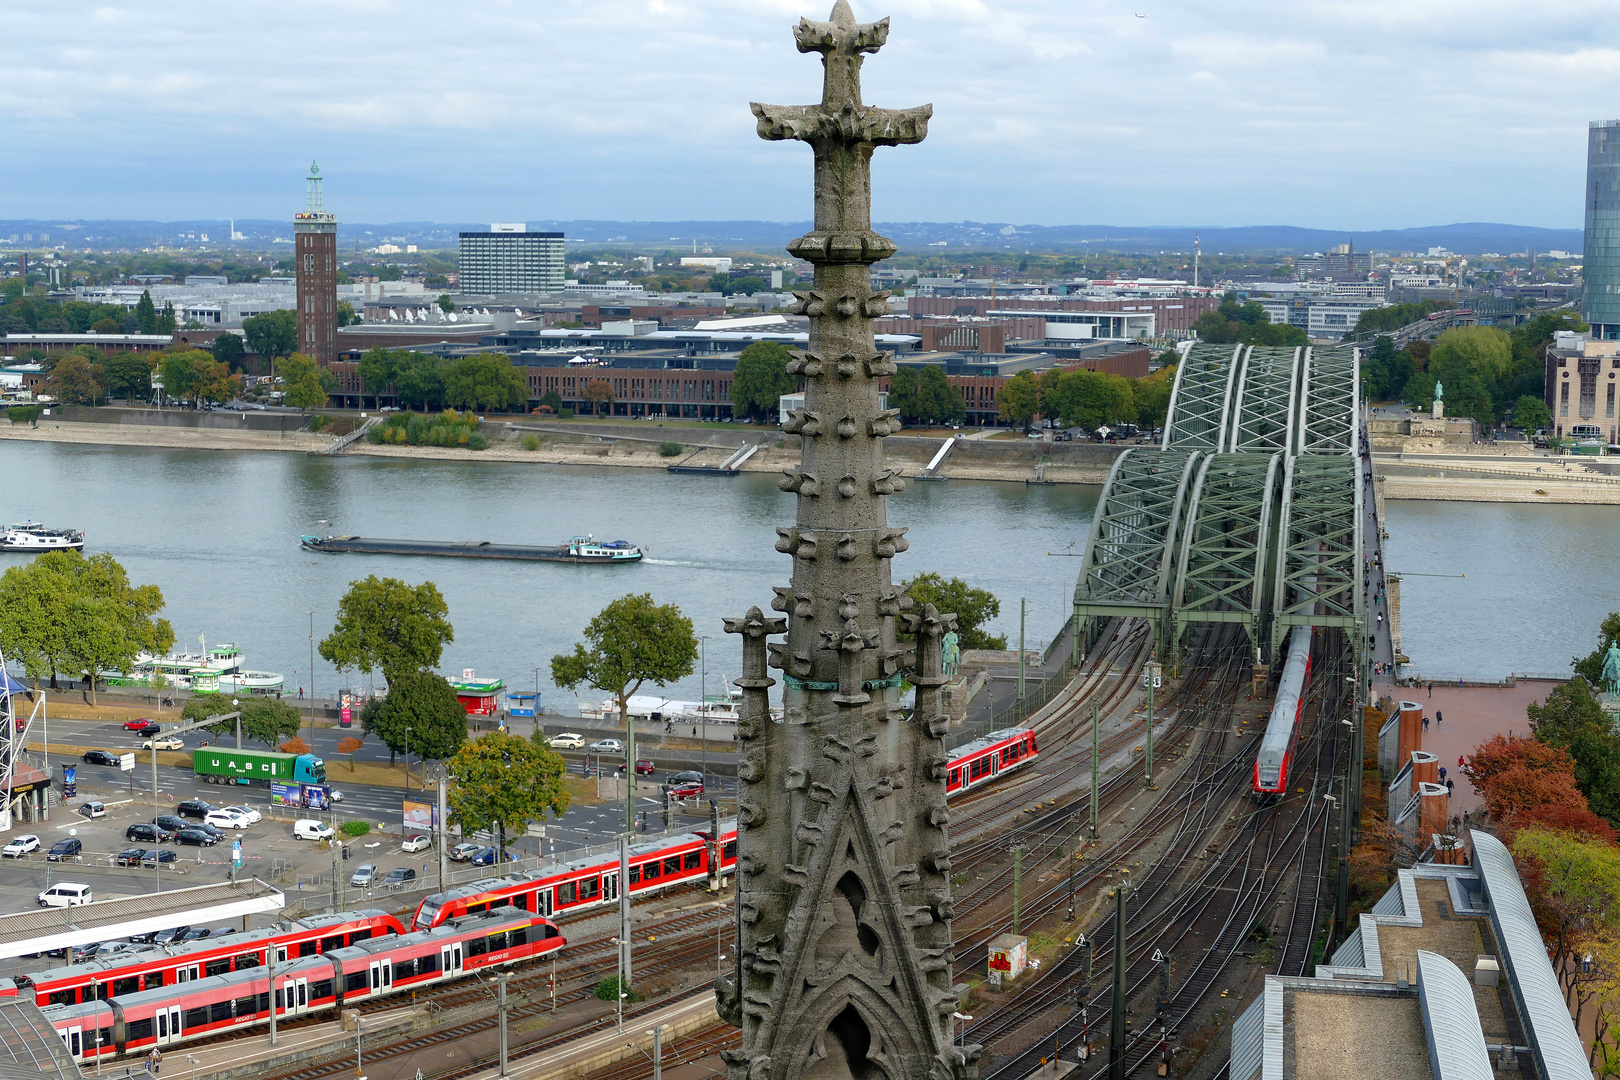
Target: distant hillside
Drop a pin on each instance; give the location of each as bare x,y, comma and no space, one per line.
1469,238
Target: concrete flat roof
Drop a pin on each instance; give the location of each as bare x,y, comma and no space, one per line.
46,929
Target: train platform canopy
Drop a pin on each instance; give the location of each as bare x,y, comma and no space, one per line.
49,929
30,1049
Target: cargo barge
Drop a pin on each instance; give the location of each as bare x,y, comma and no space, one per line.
579,549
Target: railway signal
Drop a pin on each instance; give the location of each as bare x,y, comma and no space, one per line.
1084,994
1152,679
1162,1009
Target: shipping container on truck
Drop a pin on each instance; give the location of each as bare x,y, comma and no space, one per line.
218,765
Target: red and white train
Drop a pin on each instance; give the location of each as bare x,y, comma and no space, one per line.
140,1020
1274,761
658,864
153,967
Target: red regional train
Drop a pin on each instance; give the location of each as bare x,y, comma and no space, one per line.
140,1020
157,966
1275,758
657,864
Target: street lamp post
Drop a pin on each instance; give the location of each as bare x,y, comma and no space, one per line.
703,703
312,678
407,759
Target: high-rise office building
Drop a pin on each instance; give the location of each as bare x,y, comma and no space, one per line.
315,243
510,259
1600,303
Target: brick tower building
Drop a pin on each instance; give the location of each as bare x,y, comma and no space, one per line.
315,238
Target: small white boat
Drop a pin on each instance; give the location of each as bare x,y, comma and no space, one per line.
724,708
33,536
209,671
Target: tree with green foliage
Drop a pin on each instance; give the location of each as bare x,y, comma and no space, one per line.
106,326
346,315
301,383
446,304
937,401
228,349
1394,316
484,381
1019,399
1574,891
129,376
1571,719
385,625
73,382
273,334
598,392
903,393
377,367
419,381
552,400
1245,322
973,607
1590,666
1151,393
503,782
179,371
420,715
146,316
1531,414
68,613
1090,399
761,379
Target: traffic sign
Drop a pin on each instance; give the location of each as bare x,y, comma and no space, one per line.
236,853
126,762
1158,956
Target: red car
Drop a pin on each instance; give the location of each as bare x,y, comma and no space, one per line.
644,767
136,725
689,790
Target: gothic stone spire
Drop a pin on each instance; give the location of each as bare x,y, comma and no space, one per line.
843,959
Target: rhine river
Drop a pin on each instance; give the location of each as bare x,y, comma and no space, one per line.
218,533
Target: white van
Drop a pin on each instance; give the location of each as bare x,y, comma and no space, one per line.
310,829
65,894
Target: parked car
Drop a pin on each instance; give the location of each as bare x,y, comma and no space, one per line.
171,822
65,894
310,829
167,742
225,819
136,725
364,876
399,876
157,855
92,809
173,936
65,849
194,808
130,856
464,852
252,815
99,757
199,933
645,767
222,931
607,746
197,837
78,954
484,856
145,830
113,948
20,845
419,842
568,740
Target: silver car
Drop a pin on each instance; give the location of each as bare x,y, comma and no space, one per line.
364,877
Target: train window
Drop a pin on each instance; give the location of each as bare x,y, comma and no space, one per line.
218,967
328,944
281,1002
247,1006
475,909
495,942
650,870
321,990
635,875
308,948
105,1036
120,987
354,982
102,992
154,979
404,969
360,935
552,931
517,937
692,860
672,865
589,888
246,961
264,1002
567,893
477,947
139,1030
956,776
219,1012
730,852
195,1018
427,965
64,997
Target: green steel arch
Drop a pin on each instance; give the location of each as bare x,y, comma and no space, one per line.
1330,402
1223,574
1264,403
1126,567
1201,400
1319,547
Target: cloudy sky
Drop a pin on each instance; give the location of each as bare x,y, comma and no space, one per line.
1340,114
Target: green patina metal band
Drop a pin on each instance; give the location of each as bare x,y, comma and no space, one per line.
869,684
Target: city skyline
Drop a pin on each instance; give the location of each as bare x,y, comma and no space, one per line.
1382,115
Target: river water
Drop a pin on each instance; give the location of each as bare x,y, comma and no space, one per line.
218,533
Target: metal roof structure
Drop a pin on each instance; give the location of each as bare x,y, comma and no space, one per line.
48,929
1548,1026
30,1048
1456,1043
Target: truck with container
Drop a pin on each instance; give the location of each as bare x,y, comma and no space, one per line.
218,765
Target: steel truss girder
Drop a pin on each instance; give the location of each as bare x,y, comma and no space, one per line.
1263,408
1201,399
1126,567
1319,546
1223,571
1330,400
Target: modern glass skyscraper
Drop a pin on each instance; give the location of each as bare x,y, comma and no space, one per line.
1600,304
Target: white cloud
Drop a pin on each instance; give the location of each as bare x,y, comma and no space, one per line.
1363,113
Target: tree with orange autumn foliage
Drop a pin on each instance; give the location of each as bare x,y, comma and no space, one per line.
1524,781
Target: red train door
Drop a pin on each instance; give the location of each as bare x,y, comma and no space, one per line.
168,1026
450,960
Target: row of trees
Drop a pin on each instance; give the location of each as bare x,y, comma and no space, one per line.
1088,399
429,383
1246,323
